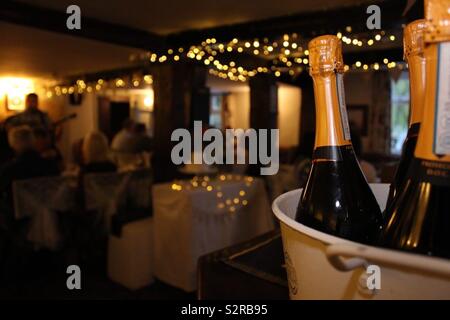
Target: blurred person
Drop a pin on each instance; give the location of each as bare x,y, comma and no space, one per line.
123,141
27,162
141,141
95,154
32,116
6,152
43,144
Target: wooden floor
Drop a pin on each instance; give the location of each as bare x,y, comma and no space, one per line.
44,277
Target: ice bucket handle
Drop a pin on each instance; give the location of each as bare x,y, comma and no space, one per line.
346,257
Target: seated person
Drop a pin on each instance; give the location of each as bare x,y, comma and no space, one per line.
141,141
96,154
43,145
5,151
123,140
26,163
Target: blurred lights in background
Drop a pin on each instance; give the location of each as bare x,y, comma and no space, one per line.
13,91
283,56
149,101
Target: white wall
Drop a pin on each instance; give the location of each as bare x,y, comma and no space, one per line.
289,105
239,107
289,102
77,128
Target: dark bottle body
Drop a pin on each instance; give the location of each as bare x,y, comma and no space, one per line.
419,217
418,220
405,160
337,199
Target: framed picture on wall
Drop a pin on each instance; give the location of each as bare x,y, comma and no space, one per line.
358,117
14,103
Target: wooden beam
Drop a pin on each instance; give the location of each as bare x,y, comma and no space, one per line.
55,21
263,108
307,25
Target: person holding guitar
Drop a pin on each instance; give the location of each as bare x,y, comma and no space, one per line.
32,116
37,120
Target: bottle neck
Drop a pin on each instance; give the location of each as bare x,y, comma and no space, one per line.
434,137
417,72
332,127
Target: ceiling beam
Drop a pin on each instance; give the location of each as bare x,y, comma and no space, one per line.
55,21
307,25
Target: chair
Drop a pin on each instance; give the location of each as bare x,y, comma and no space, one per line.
124,203
109,194
40,199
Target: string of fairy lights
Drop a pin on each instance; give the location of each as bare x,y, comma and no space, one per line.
229,201
286,55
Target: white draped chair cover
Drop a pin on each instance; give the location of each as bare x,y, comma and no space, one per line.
106,193
40,199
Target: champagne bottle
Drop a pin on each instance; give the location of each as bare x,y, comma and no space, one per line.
413,53
336,199
419,218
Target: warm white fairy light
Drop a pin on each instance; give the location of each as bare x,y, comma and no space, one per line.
286,54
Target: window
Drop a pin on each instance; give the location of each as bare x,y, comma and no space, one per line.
215,111
399,112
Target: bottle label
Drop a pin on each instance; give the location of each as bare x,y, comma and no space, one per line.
442,113
435,172
342,106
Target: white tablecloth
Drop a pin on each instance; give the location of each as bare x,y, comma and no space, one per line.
196,217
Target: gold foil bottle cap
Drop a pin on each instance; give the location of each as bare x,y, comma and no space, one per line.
413,38
325,55
437,14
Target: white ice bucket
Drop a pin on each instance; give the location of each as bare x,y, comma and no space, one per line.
321,266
